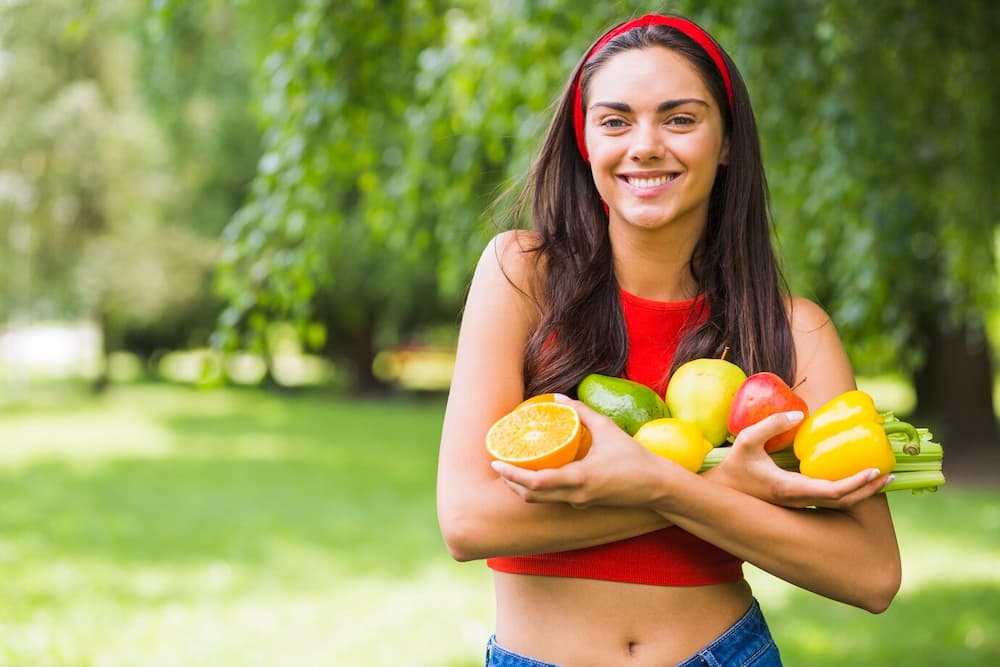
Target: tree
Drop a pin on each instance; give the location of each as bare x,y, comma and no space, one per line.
878,123
128,142
309,245
390,127
90,164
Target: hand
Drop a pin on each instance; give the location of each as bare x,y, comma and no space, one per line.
749,469
617,471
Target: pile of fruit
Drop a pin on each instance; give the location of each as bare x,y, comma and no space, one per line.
708,402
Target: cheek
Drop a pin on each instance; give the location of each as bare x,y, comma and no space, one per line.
596,148
703,156
602,180
590,140
602,160
606,154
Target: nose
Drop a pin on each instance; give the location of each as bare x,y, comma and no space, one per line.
646,143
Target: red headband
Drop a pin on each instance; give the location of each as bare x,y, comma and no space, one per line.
683,25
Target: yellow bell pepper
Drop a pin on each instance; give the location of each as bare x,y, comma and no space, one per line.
844,437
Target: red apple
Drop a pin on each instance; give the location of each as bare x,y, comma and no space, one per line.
762,395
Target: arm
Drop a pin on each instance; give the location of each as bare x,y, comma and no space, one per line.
822,372
848,554
478,515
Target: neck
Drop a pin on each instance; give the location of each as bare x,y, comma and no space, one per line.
655,264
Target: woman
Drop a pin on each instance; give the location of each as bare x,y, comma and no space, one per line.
650,246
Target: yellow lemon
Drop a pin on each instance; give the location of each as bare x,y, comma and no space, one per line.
680,441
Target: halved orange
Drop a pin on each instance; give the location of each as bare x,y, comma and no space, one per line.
540,398
585,442
536,435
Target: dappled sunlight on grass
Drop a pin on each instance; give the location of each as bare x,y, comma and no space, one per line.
952,536
445,613
214,614
946,613
81,438
931,624
171,526
264,531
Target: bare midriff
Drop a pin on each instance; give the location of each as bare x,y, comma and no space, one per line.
583,622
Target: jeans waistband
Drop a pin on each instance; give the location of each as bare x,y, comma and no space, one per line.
746,642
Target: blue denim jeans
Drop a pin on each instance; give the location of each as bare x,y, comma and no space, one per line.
747,643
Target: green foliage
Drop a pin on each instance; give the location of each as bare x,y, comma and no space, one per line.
196,73
118,177
385,130
386,145
68,123
389,131
332,138
878,123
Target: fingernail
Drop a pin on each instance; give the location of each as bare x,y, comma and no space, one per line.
795,416
496,465
888,480
561,398
873,473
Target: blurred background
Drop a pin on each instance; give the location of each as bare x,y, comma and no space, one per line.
235,237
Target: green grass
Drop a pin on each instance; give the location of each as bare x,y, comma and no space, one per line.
166,526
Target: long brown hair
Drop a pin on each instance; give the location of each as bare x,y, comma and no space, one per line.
582,329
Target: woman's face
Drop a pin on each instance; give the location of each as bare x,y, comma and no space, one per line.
655,138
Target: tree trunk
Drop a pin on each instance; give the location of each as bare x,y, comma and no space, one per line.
357,349
102,381
955,389
360,351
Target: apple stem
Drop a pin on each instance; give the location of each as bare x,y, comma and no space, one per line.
725,351
799,383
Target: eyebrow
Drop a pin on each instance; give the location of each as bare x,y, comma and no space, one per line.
661,107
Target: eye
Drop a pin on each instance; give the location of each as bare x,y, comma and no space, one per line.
613,123
681,121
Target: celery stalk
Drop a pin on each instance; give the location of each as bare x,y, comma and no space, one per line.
915,472
916,481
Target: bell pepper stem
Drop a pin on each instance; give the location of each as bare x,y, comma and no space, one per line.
912,445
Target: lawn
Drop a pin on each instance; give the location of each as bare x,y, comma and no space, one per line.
167,526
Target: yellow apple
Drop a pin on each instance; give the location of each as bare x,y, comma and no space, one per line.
701,391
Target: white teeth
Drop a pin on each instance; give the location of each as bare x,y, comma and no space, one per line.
651,182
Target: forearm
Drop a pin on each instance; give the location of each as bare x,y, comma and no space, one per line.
480,516
847,555
491,521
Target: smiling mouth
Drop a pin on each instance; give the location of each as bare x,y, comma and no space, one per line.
649,182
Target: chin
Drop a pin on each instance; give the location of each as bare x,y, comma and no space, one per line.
644,219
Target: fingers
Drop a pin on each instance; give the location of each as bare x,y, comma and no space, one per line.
547,485
850,490
591,418
767,428
801,491
520,476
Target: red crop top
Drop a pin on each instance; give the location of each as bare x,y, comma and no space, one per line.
667,557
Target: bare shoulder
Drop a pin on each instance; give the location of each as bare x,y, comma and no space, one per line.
822,367
503,295
512,254
805,316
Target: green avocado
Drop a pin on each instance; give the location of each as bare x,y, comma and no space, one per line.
628,403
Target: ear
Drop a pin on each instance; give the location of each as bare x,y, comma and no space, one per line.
724,155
